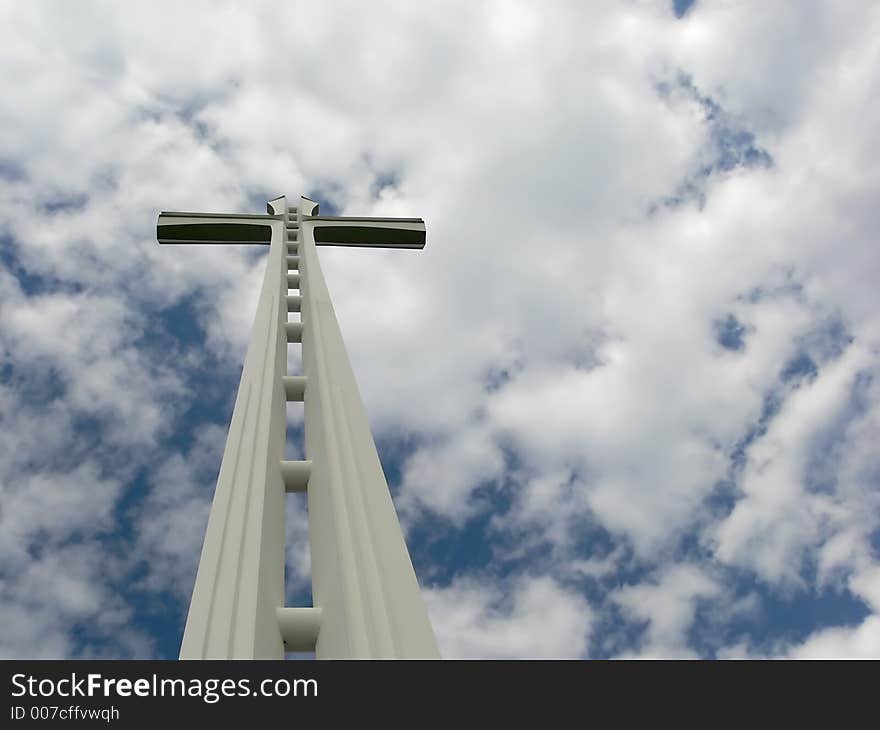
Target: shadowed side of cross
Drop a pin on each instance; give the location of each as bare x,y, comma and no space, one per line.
232,228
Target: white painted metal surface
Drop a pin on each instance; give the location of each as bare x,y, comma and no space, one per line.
367,598
362,577
240,580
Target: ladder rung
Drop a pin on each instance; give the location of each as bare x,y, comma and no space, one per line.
296,475
293,281
292,209
292,225
294,388
294,303
294,331
299,627
292,262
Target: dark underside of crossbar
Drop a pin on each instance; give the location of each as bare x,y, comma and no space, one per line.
368,236
214,233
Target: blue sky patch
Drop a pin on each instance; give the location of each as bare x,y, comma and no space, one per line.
785,618
681,7
729,333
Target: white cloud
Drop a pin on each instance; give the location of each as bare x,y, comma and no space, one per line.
65,590
780,518
668,604
442,477
534,617
56,504
860,642
172,518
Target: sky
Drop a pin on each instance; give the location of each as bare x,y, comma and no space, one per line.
627,398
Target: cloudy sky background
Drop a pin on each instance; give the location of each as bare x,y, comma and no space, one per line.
627,398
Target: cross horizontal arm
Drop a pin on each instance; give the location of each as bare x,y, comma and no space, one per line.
174,227
370,232
242,228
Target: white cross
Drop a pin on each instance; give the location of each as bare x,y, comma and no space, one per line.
366,597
